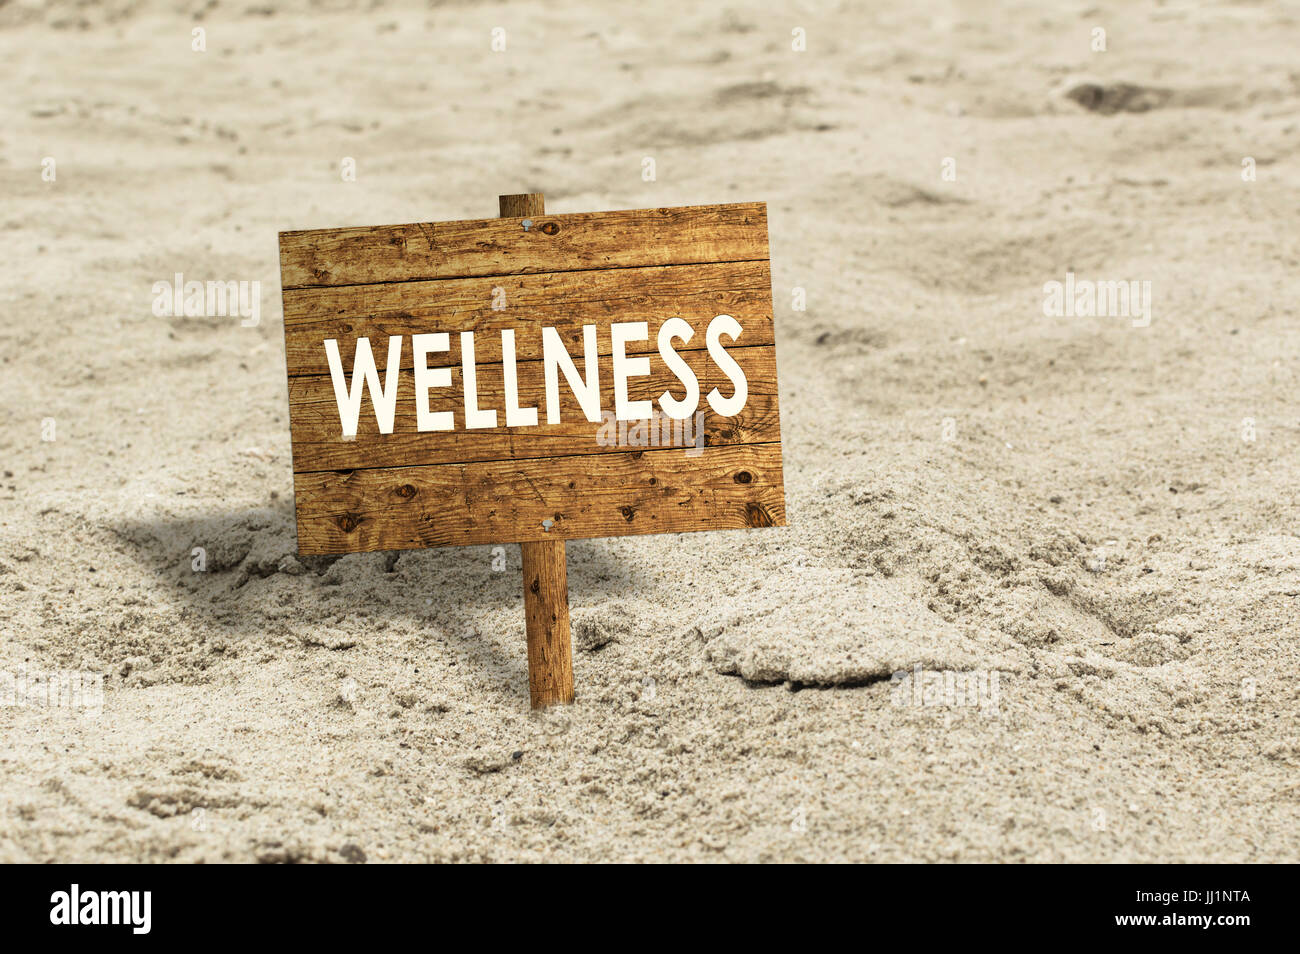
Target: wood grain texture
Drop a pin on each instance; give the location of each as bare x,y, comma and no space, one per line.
632,492
521,204
318,442
546,621
546,574
544,483
565,301
480,247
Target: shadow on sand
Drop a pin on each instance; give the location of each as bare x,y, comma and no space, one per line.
239,573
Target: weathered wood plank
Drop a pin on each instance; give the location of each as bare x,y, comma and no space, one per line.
318,442
553,243
411,489
602,495
563,300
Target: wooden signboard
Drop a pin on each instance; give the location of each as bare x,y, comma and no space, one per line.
532,378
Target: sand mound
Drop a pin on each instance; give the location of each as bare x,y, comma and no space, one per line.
819,628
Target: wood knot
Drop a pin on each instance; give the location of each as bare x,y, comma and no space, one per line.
756,515
628,513
550,228
406,491
743,477
348,522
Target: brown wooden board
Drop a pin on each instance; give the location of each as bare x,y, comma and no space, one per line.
562,300
553,243
315,418
720,468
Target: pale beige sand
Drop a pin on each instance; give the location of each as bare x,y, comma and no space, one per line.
1097,531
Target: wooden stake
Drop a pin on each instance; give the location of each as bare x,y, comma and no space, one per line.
546,583
546,614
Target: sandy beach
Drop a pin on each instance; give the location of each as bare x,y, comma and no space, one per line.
1037,600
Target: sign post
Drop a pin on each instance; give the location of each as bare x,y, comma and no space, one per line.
532,378
546,574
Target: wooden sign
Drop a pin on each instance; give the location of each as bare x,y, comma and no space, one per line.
532,378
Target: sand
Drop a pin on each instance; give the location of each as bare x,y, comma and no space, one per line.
1076,505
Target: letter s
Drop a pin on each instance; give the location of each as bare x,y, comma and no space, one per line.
726,407
675,409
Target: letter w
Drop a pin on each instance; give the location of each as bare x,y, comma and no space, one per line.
365,374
